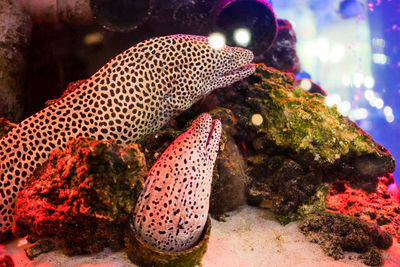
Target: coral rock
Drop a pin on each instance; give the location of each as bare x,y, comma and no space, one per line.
82,195
378,207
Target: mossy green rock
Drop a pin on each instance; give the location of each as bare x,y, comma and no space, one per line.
298,144
144,255
82,195
302,124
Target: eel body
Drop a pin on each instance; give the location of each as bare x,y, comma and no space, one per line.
131,96
172,209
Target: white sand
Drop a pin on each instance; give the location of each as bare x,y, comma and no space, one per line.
249,238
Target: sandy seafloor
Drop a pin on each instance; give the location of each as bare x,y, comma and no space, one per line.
250,237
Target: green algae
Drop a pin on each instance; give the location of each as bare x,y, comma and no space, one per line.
302,122
144,255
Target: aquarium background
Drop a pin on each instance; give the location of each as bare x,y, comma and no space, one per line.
352,49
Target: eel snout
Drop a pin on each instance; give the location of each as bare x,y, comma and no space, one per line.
239,65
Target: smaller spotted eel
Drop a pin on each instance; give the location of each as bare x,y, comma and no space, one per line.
172,209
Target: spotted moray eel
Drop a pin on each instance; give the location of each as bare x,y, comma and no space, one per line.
172,209
131,96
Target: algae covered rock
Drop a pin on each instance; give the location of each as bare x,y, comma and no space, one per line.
336,233
82,195
155,144
297,142
314,133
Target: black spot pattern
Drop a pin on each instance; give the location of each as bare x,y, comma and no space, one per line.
133,95
172,209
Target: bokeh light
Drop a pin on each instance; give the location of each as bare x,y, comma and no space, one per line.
358,114
379,58
93,38
344,107
369,82
306,84
216,40
257,119
358,79
242,37
337,53
333,99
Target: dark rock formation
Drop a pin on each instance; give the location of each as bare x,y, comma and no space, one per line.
155,144
15,32
230,179
82,195
121,15
336,233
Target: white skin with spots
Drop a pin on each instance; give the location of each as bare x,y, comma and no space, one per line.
172,209
134,94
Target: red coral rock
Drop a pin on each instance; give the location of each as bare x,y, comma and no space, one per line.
379,207
82,195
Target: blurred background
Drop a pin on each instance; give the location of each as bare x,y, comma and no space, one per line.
351,48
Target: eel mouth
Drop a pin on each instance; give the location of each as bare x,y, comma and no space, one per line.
240,72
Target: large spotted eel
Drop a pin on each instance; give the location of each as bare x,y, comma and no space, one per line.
131,96
172,209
